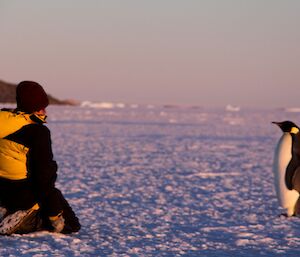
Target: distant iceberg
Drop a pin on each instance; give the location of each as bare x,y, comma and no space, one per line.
134,106
294,109
231,108
102,105
120,105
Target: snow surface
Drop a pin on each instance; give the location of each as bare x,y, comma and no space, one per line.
166,182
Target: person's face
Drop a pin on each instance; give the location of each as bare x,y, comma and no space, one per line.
41,112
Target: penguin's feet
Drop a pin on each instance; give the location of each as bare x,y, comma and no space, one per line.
283,215
288,216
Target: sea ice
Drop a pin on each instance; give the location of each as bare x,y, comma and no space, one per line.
145,186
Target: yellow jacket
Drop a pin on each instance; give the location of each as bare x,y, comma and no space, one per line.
13,155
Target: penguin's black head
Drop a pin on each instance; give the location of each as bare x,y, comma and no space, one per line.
287,126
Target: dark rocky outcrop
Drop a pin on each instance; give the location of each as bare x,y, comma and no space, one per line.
8,95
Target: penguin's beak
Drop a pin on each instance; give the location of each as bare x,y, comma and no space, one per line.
279,124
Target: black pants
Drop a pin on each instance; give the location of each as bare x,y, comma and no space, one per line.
71,221
39,220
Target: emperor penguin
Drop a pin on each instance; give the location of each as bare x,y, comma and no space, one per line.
286,168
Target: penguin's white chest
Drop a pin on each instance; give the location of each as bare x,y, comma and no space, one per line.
283,154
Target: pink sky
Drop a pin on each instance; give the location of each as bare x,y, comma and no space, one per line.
206,52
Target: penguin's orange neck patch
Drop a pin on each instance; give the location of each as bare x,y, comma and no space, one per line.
294,130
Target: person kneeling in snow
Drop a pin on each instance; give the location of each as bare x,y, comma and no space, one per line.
29,199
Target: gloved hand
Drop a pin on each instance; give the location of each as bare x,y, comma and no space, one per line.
57,222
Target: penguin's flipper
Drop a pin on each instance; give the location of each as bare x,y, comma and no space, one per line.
290,173
296,180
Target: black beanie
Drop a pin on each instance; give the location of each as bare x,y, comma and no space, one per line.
31,97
